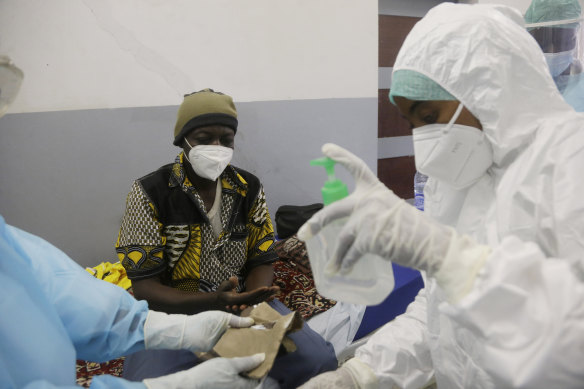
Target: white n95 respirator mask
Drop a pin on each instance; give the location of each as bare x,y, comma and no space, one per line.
456,154
209,161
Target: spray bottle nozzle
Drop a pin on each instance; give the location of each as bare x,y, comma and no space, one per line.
333,189
329,165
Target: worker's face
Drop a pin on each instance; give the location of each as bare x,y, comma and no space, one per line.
421,113
210,135
554,39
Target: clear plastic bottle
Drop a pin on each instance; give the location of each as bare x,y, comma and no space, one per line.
370,280
419,183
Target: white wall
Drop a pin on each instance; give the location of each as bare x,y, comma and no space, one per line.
85,54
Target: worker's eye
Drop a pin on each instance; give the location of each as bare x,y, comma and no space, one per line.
430,118
227,141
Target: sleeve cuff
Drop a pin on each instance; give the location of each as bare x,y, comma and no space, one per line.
362,374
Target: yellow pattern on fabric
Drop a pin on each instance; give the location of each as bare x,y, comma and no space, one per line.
260,228
225,184
140,242
266,245
189,265
187,252
241,190
186,285
113,273
135,256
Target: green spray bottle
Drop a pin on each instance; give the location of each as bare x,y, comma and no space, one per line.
370,280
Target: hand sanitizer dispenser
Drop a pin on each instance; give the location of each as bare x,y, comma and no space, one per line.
370,280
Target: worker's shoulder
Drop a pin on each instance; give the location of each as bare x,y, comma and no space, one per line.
565,137
162,173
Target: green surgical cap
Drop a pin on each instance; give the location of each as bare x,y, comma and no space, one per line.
553,10
415,86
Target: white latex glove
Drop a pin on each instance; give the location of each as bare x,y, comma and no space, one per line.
197,333
381,223
354,374
217,373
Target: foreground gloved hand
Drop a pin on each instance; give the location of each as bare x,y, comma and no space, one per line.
197,333
217,373
354,374
382,223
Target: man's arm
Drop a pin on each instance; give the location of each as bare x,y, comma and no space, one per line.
167,299
260,247
259,276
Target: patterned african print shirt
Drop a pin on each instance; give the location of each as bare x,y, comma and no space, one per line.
166,232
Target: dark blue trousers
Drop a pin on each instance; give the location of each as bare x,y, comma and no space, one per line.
313,356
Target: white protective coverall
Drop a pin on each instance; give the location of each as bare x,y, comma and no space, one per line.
522,324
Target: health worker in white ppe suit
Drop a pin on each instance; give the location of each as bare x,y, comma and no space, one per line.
556,25
501,241
54,312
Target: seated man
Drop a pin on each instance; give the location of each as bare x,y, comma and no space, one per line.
197,236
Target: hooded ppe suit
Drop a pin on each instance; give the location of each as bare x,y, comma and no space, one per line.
521,323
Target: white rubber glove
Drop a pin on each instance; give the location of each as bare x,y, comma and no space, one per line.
217,373
382,223
354,374
197,333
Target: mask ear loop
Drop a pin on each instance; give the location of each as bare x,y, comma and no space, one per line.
454,118
186,156
447,129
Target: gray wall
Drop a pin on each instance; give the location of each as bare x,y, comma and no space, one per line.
64,175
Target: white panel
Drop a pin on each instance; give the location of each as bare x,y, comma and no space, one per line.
384,77
396,146
84,54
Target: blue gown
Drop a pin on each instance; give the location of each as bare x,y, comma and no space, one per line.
53,312
572,89
574,92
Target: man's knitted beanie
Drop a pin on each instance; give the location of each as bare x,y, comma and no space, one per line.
204,108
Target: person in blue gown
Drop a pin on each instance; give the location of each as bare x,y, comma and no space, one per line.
556,25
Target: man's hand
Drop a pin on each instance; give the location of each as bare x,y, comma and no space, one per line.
231,301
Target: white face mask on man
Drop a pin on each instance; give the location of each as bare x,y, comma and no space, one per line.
209,161
456,154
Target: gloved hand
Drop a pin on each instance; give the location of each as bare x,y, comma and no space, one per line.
353,374
197,333
216,373
382,223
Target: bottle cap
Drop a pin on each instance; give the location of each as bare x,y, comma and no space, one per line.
333,189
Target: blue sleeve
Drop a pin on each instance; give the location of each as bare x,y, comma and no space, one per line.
111,382
103,320
99,382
